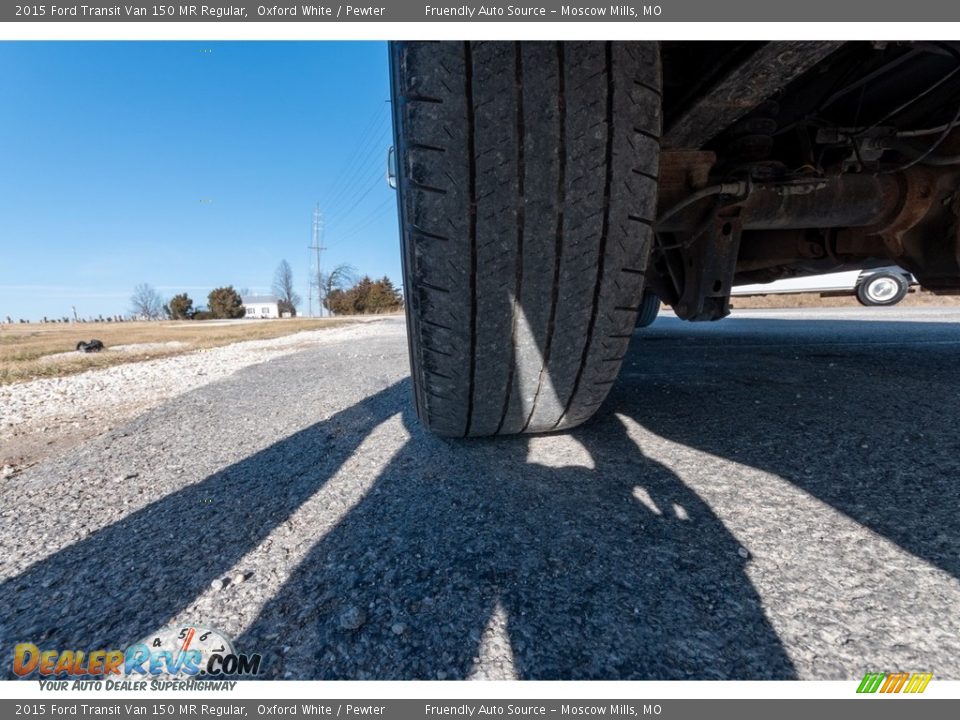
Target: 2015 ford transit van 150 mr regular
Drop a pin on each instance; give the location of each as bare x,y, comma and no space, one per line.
544,186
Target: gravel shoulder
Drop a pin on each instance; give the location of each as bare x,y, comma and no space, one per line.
42,417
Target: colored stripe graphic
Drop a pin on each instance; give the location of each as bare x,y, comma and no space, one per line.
918,682
894,682
871,682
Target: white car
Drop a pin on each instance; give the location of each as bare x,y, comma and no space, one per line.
878,286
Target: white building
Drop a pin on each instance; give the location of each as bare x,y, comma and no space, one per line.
261,306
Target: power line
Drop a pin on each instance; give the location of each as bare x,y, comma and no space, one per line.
376,182
371,160
355,164
332,186
377,213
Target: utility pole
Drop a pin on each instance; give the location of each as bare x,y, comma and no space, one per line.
317,247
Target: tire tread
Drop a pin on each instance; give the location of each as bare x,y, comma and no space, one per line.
527,194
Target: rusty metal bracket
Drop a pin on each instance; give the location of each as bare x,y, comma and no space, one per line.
709,263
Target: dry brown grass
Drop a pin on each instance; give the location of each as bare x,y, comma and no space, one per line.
26,350
919,298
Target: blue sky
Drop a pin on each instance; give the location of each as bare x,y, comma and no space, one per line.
188,166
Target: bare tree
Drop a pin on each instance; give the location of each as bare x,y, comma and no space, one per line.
340,278
146,302
283,288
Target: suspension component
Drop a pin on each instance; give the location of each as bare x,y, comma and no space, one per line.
699,236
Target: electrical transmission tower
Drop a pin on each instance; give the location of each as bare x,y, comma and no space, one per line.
317,247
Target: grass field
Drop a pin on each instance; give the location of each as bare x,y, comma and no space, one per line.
48,350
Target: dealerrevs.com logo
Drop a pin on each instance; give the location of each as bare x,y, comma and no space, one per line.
910,683
185,652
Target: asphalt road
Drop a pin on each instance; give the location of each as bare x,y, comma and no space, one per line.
772,496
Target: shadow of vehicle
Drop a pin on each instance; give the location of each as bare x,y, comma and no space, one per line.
169,551
862,415
578,577
585,581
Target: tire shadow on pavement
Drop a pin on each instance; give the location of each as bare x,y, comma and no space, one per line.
467,560
863,415
129,578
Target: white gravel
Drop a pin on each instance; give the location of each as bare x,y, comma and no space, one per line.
100,398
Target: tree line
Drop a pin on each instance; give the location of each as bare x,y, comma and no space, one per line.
343,294
148,304
365,297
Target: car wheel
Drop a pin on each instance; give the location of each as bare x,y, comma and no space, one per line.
649,309
882,288
526,179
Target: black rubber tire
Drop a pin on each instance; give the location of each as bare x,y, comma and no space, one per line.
863,290
527,177
649,309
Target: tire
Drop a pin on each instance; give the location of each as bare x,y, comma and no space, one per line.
527,177
882,288
649,309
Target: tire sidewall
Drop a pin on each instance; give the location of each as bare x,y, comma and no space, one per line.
409,299
649,309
